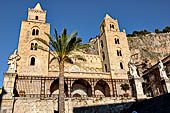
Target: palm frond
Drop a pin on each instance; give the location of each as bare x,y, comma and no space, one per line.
44,42
41,48
53,42
54,58
68,60
79,57
83,46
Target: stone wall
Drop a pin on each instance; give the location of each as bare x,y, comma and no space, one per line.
93,64
35,105
50,105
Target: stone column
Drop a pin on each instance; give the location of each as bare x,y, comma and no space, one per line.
111,89
139,89
93,92
69,88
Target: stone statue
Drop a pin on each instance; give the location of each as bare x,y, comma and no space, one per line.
162,70
12,62
133,69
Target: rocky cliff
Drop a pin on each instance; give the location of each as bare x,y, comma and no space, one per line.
147,50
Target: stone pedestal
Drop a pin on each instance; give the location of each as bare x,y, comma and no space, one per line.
167,83
139,89
7,100
8,85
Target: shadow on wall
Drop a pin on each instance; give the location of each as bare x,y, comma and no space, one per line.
108,108
1,95
159,104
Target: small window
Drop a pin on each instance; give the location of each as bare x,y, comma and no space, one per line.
32,46
119,53
105,67
33,32
111,26
36,45
103,55
37,32
32,63
117,41
101,43
121,65
36,17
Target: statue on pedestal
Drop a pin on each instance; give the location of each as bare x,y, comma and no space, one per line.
162,70
133,69
12,62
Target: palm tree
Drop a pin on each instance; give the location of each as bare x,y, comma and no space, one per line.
62,49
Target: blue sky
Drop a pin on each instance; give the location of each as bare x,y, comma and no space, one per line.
81,15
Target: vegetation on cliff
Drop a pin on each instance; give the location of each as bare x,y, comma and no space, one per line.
145,32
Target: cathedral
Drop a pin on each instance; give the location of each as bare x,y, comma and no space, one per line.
101,75
31,76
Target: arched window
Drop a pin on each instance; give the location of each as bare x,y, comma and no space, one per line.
32,63
36,17
119,53
37,32
117,41
105,67
121,65
36,45
111,26
103,55
102,43
33,32
32,46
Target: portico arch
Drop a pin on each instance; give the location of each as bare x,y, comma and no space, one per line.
54,88
102,88
81,88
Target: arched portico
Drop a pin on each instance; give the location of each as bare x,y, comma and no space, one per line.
102,89
54,88
81,88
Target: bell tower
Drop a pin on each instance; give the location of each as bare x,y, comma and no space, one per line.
114,48
33,61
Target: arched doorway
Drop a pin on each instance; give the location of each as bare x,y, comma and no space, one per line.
54,88
102,89
81,88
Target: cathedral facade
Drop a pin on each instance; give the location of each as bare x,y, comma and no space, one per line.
101,75
31,75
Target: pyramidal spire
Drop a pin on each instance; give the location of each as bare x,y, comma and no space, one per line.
107,16
38,7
